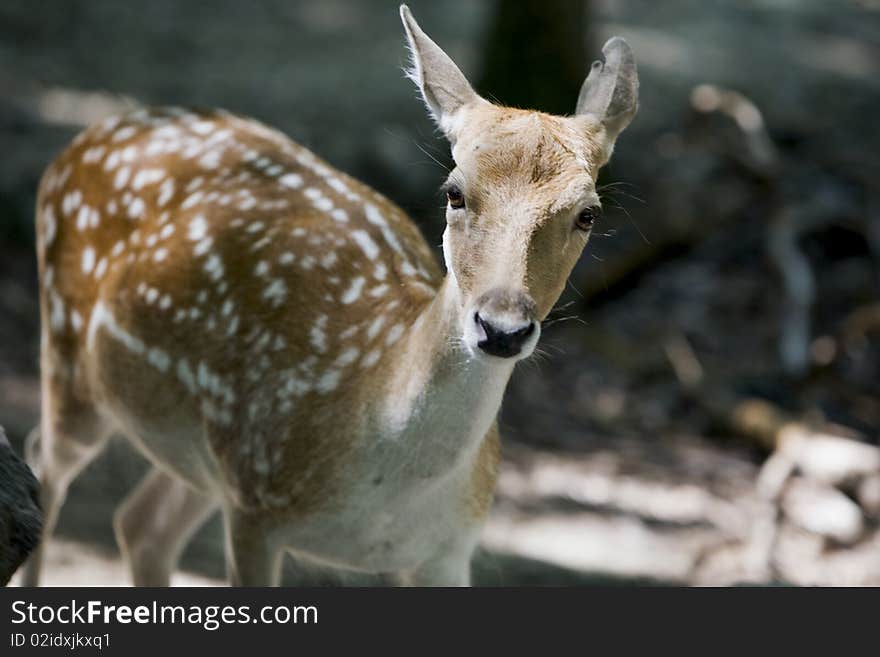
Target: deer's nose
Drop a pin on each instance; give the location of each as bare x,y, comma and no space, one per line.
505,321
500,342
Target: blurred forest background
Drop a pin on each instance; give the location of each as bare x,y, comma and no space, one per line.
707,404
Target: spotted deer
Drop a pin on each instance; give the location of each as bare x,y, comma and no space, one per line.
278,339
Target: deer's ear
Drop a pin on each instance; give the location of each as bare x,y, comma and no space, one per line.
444,88
610,94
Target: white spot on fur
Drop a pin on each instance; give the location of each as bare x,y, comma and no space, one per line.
121,177
353,293
366,243
198,228
202,127
124,133
328,382
88,260
275,292
338,185
379,290
159,359
93,154
166,191
136,208
347,357
203,247
57,317
374,216
146,177
71,202
211,159
101,268
394,334
185,374
50,225
371,358
375,327
317,335
214,267
192,200
112,161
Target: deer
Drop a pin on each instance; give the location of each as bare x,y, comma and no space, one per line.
281,343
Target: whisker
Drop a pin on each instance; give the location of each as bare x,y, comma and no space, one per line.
560,308
633,222
564,319
574,287
436,161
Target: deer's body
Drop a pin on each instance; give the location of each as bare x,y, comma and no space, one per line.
280,342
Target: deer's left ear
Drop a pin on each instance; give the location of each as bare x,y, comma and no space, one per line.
444,88
610,94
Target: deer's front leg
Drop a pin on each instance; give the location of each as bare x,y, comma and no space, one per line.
252,559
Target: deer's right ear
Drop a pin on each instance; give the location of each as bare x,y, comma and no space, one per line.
610,94
444,87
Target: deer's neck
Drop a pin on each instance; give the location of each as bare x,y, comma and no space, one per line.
438,391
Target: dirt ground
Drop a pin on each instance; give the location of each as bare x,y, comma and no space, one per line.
614,472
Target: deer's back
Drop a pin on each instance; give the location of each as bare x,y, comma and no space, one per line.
219,291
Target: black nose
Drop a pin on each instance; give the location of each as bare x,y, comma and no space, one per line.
503,344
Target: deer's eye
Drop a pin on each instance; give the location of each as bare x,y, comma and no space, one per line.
455,197
587,217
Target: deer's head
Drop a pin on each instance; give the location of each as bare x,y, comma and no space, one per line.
522,198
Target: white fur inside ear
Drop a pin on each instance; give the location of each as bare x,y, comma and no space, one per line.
414,72
443,86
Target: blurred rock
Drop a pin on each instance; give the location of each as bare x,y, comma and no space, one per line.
20,516
823,510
